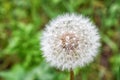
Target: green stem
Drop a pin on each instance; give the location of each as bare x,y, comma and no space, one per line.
71,75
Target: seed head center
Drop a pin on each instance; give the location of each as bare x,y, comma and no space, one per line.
69,41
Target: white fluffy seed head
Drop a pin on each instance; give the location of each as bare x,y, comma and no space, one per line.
70,41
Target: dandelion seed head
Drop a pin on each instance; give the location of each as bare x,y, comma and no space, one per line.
70,41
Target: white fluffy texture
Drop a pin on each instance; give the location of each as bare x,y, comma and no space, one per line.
87,45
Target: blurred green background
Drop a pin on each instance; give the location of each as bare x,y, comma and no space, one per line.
21,23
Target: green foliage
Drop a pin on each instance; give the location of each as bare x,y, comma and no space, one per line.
21,25
40,72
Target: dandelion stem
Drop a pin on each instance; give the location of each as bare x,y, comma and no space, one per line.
71,75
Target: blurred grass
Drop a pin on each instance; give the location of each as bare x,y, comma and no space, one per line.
21,23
